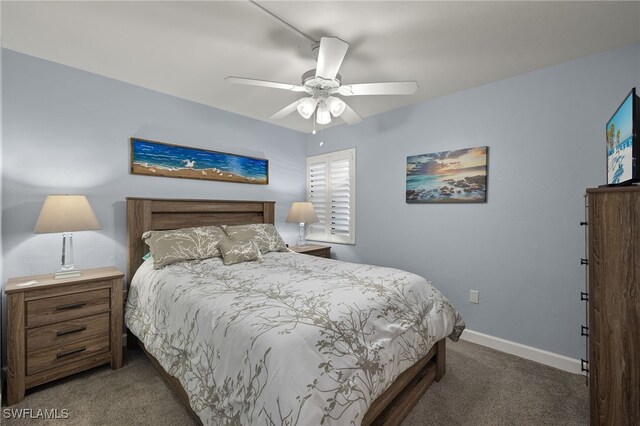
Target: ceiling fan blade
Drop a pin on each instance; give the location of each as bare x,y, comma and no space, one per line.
265,83
350,116
390,88
287,110
330,57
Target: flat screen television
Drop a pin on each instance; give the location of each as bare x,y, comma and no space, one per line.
623,142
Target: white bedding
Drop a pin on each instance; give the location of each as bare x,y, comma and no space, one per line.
293,339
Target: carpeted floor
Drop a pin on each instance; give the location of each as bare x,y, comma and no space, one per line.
481,387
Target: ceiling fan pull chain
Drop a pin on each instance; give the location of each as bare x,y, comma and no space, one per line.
314,122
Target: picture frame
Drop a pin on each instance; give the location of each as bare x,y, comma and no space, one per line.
153,158
458,176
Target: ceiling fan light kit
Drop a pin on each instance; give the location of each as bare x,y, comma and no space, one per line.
323,116
307,107
324,82
336,106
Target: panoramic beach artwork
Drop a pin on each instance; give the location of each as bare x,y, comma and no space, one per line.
448,177
161,159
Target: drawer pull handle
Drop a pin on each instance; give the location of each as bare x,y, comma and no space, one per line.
71,330
70,306
583,223
71,352
584,261
584,297
584,331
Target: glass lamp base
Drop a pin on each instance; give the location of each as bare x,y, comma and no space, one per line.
61,275
66,269
302,240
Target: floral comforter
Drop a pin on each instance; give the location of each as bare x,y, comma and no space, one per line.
292,339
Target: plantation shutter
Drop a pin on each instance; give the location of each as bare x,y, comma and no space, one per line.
317,195
331,190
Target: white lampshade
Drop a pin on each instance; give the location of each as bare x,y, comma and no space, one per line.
306,107
66,213
322,115
336,106
302,212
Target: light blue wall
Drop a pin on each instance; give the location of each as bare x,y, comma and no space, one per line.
67,131
521,250
2,303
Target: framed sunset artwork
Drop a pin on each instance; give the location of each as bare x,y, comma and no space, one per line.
458,176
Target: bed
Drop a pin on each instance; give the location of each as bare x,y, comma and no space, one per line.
292,339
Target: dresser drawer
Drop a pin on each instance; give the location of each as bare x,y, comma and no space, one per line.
55,356
66,332
61,308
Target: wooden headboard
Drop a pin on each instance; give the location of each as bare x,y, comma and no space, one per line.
146,214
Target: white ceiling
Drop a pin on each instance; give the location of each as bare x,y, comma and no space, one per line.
186,49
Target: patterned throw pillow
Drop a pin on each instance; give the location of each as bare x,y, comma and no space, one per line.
177,245
265,234
238,251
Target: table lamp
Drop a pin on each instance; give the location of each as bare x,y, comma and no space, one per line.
66,214
302,212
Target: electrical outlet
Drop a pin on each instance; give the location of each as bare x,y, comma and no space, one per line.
474,296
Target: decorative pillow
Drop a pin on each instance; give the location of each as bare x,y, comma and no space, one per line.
238,251
177,245
265,235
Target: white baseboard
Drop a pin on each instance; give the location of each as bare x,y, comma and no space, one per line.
523,351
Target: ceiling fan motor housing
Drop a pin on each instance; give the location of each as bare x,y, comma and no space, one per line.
315,83
315,50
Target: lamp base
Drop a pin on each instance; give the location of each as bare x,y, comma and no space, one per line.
61,275
302,240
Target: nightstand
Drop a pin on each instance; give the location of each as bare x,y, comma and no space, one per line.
59,327
313,250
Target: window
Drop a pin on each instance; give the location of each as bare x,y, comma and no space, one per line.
331,180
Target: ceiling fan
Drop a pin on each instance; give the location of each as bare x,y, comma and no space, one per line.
324,84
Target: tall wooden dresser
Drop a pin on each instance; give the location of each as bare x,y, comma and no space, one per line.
614,305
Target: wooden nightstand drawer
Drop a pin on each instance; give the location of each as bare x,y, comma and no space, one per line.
58,327
75,305
55,356
66,332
